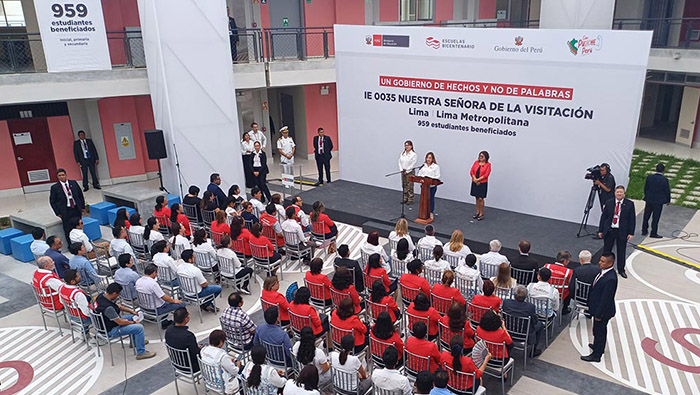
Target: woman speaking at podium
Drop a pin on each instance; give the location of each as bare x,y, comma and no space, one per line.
430,169
407,163
480,176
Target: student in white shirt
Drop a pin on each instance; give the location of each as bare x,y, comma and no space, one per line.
345,362
202,245
215,354
136,227
161,258
240,272
372,246
306,352
257,373
407,164
202,286
77,235
151,232
179,240
430,169
256,201
119,244
469,270
428,241
437,263
277,200
291,225
401,232
38,246
389,378
543,289
305,384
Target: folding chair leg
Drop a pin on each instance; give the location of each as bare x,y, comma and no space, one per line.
111,354
177,389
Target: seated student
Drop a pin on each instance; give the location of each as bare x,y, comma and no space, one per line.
503,278
400,232
305,245
371,246
260,375
270,295
429,240
470,271
269,218
446,290
345,318
560,270
412,279
161,210
456,321
271,332
136,226
234,317
151,231
518,307
375,270
231,209
80,263
179,240
318,215
238,232
258,239
343,259
301,217
120,244
208,202
234,193
389,378
543,289
342,282
402,253
420,307
215,354
161,258
176,215
419,345
381,297
70,293
307,353
126,276
301,307
38,246
201,244
248,215
493,329
488,299
345,362
202,286
256,201
119,325
455,359
225,251
384,331
314,275
424,382
440,381
456,246
179,337
77,235
219,224
192,199
122,219
163,303
279,208
437,263
305,384
54,252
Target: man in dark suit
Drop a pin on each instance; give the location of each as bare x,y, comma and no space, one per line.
66,200
657,192
214,187
601,304
586,272
258,162
343,259
518,307
86,156
617,226
232,35
523,261
323,145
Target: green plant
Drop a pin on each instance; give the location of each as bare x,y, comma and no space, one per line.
643,163
4,222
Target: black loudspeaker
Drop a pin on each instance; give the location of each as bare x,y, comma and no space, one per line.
155,144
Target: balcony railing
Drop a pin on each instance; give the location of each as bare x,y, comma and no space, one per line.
23,52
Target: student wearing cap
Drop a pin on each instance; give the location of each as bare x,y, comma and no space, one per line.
286,148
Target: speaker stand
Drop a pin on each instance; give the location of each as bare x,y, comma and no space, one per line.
160,177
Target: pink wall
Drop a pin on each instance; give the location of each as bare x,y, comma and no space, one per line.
119,14
10,174
388,10
120,110
350,12
444,10
320,13
62,139
487,9
321,111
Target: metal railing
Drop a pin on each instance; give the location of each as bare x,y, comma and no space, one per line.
668,32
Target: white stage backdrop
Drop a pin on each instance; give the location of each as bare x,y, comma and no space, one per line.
73,35
546,105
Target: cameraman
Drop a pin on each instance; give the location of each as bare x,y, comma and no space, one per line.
606,185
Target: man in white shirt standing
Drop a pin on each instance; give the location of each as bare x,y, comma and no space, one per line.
389,378
543,289
286,148
257,135
492,259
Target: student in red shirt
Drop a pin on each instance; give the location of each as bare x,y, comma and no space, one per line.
342,282
460,363
315,276
269,294
220,226
421,308
446,290
176,215
380,297
238,232
413,279
488,299
161,210
257,238
493,329
300,306
344,318
456,322
317,215
269,218
417,344
375,269
383,330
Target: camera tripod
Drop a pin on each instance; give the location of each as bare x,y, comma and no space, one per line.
587,211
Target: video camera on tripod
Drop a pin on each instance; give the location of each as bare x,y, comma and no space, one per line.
593,173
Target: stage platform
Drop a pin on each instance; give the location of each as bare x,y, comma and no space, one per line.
375,208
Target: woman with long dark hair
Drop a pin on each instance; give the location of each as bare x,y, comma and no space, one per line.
407,164
381,297
344,317
315,276
257,372
307,353
201,244
239,232
257,238
151,232
161,210
176,215
455,359
305,384
430,169
492,328
375,270
344,361
420,307
136,226
208,201
247,149
402,251
480,171
456,321
179,239
384,331
330,230
121,219
342,282
301,307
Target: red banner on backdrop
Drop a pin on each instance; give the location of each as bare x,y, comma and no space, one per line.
484,88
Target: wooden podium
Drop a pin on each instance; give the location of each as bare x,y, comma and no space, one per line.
424,208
